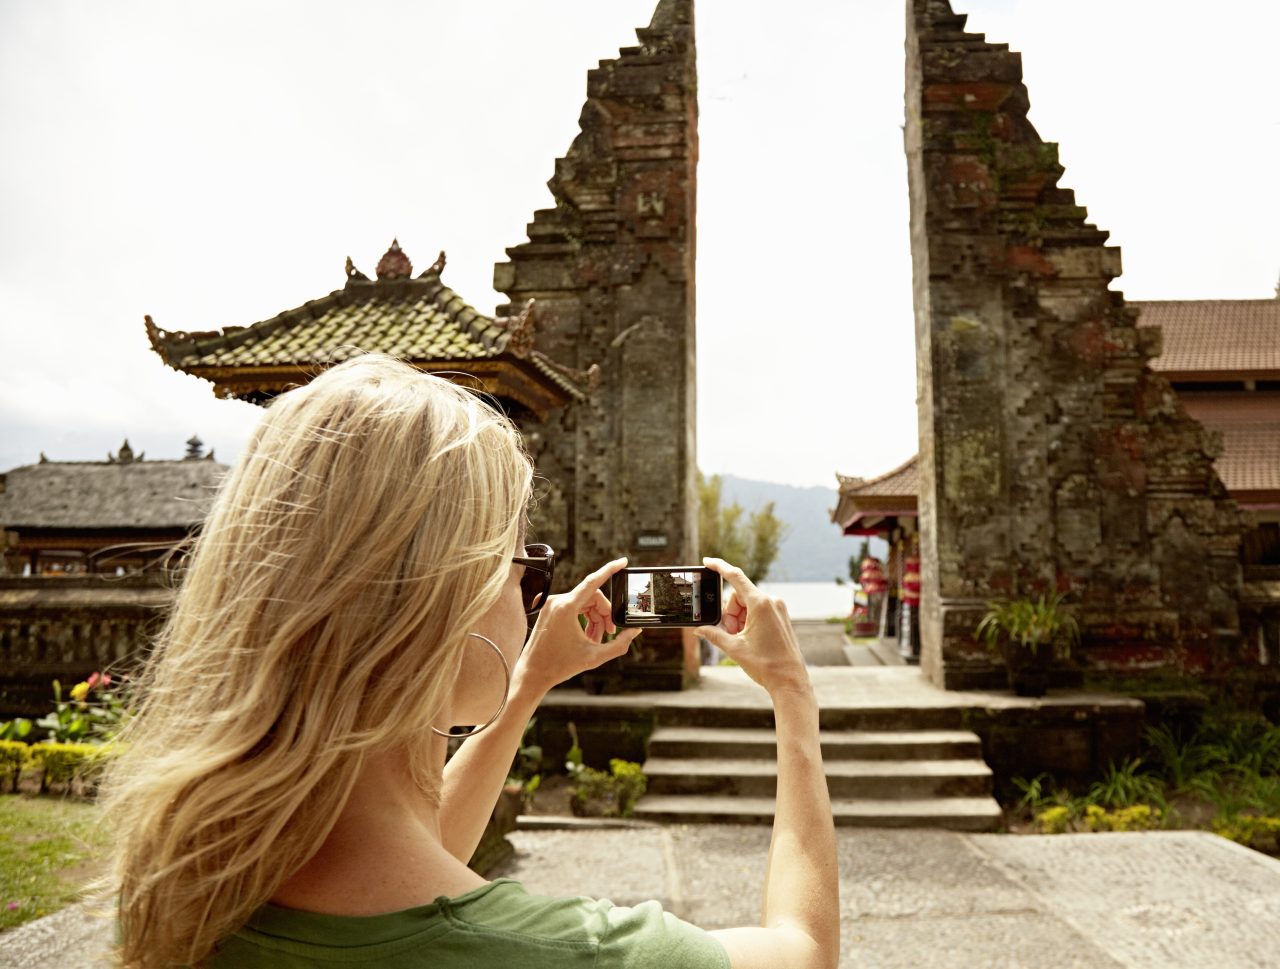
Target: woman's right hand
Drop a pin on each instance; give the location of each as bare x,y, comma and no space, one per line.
568,637
755,632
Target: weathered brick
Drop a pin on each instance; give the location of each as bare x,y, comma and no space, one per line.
1051,457
622,462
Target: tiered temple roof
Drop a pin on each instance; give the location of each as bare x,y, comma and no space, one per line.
1223,358
418,319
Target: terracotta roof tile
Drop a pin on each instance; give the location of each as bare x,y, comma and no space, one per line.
1215,335
1250,458
902,480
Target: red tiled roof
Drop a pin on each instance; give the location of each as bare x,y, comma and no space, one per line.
1250,458
1232,407
1240,336
890,494
902,480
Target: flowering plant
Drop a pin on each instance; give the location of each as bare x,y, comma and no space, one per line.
80,719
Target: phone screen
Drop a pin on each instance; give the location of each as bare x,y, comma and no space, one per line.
667,597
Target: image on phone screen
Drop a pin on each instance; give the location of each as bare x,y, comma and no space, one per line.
655,598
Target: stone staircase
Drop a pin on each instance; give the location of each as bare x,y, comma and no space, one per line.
930,777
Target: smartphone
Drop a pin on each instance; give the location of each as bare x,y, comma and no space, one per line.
674,595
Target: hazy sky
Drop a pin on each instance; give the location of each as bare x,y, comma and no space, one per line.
214,163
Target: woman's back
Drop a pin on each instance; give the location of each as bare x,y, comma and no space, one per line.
497,924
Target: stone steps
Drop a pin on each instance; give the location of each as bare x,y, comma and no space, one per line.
845,778
877,778
886,718
950,813
676,742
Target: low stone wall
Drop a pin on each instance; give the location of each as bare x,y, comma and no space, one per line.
66,628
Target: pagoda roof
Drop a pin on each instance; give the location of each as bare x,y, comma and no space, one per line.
1215,339
417,319
868,506
122,492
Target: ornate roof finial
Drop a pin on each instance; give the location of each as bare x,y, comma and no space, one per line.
394,264
521,328
436,268
353,272
195,449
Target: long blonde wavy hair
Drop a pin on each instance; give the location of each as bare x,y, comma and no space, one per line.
365,529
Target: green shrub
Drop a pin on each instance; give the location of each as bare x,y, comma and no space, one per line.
1054,820
1137,817
1126,785
610,795
1179,761
16,729
67,766
1253,831
14,759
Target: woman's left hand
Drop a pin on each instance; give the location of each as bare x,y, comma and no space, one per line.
560,647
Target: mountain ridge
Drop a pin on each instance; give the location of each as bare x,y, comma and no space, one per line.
813,549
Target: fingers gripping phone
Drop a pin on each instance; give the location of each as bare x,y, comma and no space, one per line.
675,595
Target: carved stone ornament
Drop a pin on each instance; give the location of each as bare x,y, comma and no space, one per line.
394,264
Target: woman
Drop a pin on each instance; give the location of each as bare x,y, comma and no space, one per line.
359,588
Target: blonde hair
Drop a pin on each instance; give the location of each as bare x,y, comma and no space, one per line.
365,529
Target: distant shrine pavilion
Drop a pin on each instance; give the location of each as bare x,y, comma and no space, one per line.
415,318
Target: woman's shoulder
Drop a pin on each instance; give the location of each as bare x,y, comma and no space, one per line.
621,935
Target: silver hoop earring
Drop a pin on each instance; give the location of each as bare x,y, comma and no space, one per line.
506,690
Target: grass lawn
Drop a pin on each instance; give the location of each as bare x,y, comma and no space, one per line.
46,854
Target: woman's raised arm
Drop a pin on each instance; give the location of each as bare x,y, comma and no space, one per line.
559,647
800,923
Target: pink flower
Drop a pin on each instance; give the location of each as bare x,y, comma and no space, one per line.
14,906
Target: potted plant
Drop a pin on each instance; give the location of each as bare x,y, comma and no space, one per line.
1029,634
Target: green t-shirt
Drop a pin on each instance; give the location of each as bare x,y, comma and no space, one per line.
496,925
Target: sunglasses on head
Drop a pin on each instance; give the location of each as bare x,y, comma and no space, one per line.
539,563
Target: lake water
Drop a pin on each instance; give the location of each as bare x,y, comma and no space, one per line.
812,600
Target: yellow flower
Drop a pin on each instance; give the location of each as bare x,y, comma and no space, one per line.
79,691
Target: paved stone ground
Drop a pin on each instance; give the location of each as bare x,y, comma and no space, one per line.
918,899
940,900
821,642
837,688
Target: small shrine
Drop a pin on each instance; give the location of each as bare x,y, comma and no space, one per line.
415,318
886,506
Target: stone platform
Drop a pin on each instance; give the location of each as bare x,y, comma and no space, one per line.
1073,735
